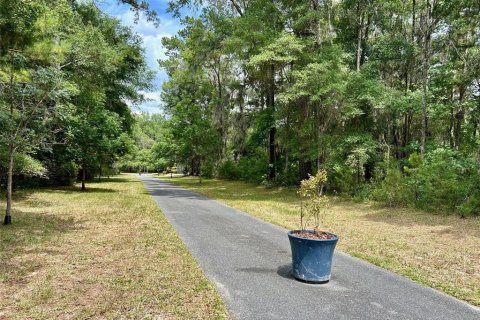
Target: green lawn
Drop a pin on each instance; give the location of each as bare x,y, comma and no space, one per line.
107,253
441,251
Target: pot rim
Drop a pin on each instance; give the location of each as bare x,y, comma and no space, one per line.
291,234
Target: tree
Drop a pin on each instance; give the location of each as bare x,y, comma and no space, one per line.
52,91
112,70
354,86
277,55
34,89
320,85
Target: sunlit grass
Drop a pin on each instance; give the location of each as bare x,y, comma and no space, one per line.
441,251
107,253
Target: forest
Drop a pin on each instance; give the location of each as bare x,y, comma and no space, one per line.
383,95
68,76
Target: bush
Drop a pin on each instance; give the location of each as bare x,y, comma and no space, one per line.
340,179
392,189
207,169
289,176
63,174
443,181
471,205
228,170
253,168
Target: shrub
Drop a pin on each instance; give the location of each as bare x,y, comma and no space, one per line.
443,181
254,167
228,170
289,176
340,178
251,168
313,199
392,189
63,174
207,169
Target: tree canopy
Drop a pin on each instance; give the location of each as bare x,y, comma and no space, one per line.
384,95
67,72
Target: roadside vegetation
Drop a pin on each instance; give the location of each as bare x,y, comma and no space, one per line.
438,250
68,75
106,253
383,95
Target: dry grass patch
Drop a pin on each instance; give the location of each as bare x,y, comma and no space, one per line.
441,251
107,253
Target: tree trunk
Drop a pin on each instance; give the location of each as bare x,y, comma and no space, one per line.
459,118
414,18
200,169
424,115
451,129
426,60
304,168
406,130
8,211
365,40
220,111
475,134
271,154
271,134
427,37
478,158
287,162
359,34
84,174
11,153
320,122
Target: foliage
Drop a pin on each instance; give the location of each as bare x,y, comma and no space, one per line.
442,181
66,72
337,85
313,198
264,92
228,170
250,168
253,167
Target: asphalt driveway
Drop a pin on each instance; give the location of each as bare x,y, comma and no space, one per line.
249,260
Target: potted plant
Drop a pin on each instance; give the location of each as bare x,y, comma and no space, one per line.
312,249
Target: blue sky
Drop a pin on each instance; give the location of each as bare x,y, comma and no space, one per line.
152,37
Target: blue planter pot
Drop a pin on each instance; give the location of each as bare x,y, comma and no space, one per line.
312,258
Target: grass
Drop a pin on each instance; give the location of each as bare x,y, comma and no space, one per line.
440,251
107,253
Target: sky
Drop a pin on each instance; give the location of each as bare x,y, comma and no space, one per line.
152,42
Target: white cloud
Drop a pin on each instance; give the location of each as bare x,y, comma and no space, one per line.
150,34
154,49
152,42
152,103
151,95
149,107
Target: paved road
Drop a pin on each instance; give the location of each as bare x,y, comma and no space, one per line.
249,260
